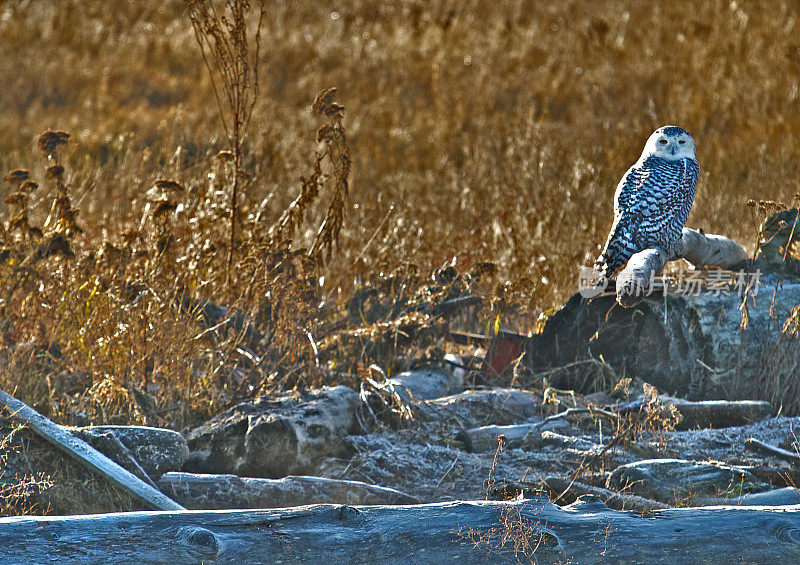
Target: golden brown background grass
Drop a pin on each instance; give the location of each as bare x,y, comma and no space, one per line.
496,130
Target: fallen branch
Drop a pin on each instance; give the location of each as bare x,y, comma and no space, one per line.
113,448
720,413
518,435
759,446
701,250
458,532
212,492
86,454
569,491
477,440
708,413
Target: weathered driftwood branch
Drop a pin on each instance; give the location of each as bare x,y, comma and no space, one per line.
709,413
786,496
759,446
463,532
213,492
701,250
86,454
110,446
517,435
476,440
720,413
569,491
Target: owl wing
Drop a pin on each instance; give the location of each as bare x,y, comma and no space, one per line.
651,206
620,243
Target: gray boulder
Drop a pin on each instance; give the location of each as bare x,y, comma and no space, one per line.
276,436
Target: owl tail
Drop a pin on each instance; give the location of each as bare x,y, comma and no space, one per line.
616,253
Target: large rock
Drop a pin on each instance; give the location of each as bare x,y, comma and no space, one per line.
388,400
156,450
692,345
276,436
657,340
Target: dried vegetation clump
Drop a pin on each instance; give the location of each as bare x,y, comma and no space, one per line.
478,155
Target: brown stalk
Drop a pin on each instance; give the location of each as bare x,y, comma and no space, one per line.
232,60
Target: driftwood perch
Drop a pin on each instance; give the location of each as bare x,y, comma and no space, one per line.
701,250
459,532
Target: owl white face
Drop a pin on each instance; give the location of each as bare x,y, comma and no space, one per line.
671,143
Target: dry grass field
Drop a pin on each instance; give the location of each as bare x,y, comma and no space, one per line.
485,136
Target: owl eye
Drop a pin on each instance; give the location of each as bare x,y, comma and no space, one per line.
682,141
662,141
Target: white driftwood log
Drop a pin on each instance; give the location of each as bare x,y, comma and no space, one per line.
86,454
214,492
701,250
459,532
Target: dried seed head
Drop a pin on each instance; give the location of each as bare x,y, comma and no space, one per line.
163,207
169,185
55,172
50,141
17,176
28,186
16,198
325,103
325,132
784,223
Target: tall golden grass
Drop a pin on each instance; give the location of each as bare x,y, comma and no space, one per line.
483,136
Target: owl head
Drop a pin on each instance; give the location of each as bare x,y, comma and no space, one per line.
671,143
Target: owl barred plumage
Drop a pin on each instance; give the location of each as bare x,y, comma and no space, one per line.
653,199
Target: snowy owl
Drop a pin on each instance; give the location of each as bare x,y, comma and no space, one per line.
653,199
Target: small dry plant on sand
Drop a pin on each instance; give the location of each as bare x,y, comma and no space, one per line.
524,534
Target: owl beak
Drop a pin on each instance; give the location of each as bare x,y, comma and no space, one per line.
673,149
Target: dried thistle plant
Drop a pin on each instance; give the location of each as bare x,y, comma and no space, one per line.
17,177
62,219
19,221
337,152
231,56
51,141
